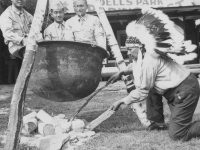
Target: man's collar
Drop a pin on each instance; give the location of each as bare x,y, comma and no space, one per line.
84,17
17,11
58,24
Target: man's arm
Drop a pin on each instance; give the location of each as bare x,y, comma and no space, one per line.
47,35
117,76
99,34
69,36
147,80
8,30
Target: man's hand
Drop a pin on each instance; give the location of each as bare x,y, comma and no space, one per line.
114,78
116,105
24,41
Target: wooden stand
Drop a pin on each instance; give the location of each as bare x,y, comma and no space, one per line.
119,59
19,93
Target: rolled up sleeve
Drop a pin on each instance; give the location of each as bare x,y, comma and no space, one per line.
47,35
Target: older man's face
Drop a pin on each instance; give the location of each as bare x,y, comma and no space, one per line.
80,8
19,4
134,52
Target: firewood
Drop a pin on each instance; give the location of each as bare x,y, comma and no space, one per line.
58,129
44,117
46,129
30,126
29,116
77,124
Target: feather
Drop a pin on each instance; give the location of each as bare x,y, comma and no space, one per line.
160,36
190,48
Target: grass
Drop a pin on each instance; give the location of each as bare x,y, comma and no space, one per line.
122,131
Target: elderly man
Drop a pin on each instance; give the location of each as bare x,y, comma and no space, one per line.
85,27
157,75
15,24
55,31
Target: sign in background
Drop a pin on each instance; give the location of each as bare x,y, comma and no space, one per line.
111,5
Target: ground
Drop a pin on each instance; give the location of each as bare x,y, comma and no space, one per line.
122,131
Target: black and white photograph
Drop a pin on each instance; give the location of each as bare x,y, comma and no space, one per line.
99,74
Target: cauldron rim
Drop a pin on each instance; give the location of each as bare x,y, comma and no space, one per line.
78,42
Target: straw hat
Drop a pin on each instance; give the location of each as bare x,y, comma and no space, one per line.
58,4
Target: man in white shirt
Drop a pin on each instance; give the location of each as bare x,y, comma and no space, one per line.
164,77
85,27
15,25
55,31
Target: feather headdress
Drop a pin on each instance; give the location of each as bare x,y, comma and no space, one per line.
157,32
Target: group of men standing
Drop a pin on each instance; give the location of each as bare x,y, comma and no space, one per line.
15,24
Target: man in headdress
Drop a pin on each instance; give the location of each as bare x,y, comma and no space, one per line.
157,75
85,27
55,31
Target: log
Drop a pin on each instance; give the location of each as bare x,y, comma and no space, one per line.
46,129
44,117
53,142
29,116
58,129
30,126
19,93
117,54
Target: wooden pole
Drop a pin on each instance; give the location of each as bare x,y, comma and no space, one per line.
137,107
19,93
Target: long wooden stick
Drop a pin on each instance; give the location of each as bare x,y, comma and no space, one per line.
119,59
19,93
87,101
108,113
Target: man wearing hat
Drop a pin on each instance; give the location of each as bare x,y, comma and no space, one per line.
55,31
158,72
84,27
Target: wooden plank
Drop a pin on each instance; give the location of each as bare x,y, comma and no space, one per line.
195,71
107,114
19,93
191,66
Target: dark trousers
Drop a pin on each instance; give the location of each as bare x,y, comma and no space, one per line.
182,102
13,70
